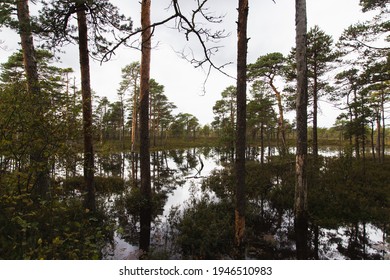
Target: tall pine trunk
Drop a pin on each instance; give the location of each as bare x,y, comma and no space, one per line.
242,45
89,167
281,127
383,126
300,201
315,114
146,193
39,162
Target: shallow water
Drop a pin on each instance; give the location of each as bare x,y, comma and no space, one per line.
186,169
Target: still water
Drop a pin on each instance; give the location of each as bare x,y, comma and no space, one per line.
178,175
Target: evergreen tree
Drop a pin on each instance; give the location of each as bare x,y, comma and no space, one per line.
261,115
95,20
269,68
130,83
146,191
300,201
320,55
225,111
240,205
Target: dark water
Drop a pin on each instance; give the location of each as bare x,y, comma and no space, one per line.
177,178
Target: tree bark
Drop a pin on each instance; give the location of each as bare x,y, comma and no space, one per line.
39,162
89,166
242,44
300,201
315,112
383,126
378,139
281,126
146,209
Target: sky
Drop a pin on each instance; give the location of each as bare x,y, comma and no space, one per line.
271,28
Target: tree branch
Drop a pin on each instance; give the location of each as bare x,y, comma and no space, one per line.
189,26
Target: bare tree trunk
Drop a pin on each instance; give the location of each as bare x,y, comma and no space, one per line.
315,115
89,166
281,126
372,139
241,127
383,126
300,202
134,128
314,176
146,209
378,139
39,162
134,122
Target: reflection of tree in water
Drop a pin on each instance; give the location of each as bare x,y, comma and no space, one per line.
111,164
344,212
168,171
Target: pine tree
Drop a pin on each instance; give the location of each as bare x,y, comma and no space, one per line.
242,46
300,201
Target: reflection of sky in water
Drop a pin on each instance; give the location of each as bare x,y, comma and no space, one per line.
193,179
182,193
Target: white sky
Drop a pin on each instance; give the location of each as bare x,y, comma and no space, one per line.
271,29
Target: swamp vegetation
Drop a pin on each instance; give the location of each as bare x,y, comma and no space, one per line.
192,208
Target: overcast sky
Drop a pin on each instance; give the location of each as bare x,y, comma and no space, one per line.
271,29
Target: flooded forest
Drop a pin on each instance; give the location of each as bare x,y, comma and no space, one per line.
127,175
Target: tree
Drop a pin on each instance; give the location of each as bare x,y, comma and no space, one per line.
300,200
89,165
113,120
369,40
130,82
183,124
38,159
146,207
242,45
319,57
225,111
55,131
100,117
368,5
261,115
352,85
160,110
268,68
93,17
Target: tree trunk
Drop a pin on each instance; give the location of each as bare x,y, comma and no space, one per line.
89,167
383,126
134,128
241,127
146,209
134,121
262,143
378,140
315,114
356,124
281,127
39,162
300,201
372,140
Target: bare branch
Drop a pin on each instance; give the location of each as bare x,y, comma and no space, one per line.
188,26
107,56
371,47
